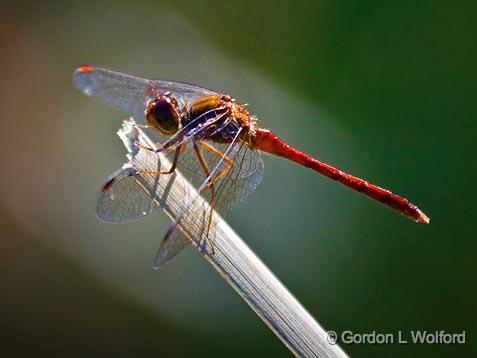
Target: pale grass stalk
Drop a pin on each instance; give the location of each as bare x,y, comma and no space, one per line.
231,257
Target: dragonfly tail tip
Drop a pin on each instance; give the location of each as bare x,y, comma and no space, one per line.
423,218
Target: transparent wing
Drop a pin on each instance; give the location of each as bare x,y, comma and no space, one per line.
235,186
171,245
130,93
238,183
128,197
124,197
241,181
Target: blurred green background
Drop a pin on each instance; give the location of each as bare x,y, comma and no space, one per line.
383,89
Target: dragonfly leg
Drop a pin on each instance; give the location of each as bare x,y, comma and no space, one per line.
227,160
206,169
210,181
171,144
148,148
173,166
142,126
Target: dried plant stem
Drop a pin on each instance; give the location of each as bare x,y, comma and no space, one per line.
231,257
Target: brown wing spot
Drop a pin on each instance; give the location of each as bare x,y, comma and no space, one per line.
108,185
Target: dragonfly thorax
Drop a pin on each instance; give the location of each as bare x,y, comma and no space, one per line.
162,113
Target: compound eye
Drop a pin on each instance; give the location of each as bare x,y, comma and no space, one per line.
162,114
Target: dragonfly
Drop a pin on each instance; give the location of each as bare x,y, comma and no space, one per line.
214,141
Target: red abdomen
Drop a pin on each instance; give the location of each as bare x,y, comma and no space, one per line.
266,141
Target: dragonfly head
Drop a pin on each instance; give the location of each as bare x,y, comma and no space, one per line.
162,113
